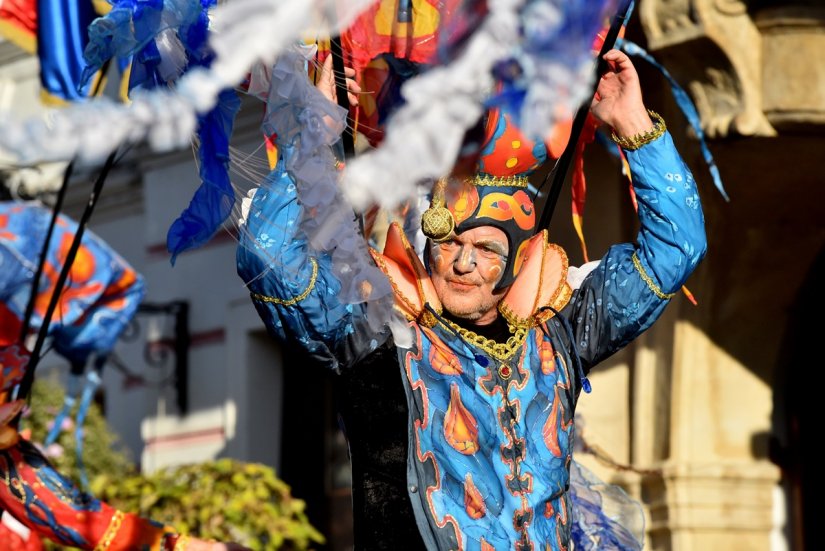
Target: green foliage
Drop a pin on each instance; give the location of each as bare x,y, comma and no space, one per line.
226,500
103,453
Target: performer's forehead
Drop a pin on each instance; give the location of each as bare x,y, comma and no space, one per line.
484,233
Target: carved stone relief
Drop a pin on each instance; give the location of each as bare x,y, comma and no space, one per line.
713,48
793,90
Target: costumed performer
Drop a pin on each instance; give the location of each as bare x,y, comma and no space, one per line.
461,428
94,309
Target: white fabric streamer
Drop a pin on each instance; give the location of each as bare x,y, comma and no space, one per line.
246,31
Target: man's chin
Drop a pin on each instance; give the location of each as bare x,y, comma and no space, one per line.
465,313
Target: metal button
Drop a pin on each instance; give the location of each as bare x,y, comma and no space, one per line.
413,489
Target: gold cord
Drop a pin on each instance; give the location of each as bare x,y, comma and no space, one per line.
649,280
295,300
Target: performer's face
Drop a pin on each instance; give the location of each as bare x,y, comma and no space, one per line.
465,271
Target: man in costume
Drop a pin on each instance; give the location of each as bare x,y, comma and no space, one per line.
468,445
95,307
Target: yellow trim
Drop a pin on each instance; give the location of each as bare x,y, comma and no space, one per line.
578,225
295,300
544,236
101,7
111,532
649,280
635,142
51,100
563,291
19,37
124,84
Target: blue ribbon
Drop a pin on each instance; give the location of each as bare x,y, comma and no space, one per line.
685,104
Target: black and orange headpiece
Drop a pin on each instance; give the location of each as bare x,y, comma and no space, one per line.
496,195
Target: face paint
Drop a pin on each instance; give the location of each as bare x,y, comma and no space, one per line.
466,269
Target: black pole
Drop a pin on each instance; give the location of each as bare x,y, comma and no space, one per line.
559,172
337,53
58,206
28,378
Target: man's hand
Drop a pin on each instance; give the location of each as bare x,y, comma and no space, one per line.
326,82
618,101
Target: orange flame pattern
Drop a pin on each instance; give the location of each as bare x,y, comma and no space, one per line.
460,427
473,502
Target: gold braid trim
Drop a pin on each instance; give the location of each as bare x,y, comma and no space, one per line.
637,141
295,300
497,350
519,181
649,280
111,532
413,310
513,319
558,300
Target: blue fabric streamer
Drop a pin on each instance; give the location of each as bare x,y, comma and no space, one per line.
68,404
93,381
543,42
131,28
61,38
213,201
685,104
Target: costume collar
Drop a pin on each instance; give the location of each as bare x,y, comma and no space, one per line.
541,282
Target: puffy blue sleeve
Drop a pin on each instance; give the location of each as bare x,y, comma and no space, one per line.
630,286
294,288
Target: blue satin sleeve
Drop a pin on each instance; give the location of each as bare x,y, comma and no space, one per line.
631,285
294,288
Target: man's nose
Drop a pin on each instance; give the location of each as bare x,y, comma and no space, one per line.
466,261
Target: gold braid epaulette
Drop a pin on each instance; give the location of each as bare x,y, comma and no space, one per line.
649,280
295,300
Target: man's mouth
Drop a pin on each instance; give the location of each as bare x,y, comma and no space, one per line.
462,285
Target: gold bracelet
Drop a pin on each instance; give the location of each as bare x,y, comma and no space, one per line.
635,142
